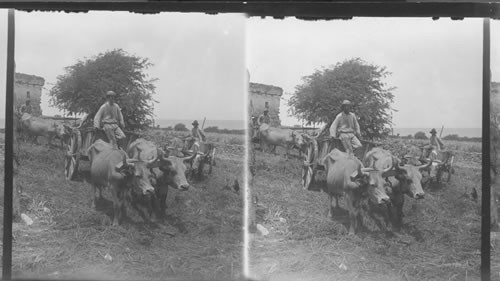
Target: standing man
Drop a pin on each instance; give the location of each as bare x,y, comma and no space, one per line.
198,135
346,127
110,118
435,143
265,119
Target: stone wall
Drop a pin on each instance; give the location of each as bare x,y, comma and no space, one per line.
265,96
28,87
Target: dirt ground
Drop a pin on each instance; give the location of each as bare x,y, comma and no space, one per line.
440,239
201,239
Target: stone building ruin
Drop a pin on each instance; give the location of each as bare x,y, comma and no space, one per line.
28,87
263,96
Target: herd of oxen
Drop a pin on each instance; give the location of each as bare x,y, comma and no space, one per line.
378,181
139,173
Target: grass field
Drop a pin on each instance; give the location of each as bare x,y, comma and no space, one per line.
202,238
440,239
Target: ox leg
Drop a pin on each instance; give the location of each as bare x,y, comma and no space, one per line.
353,222
97,195
161,194
334,205
117,208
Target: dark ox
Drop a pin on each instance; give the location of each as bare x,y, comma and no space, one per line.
402,179
347,176
170,170
112,168
35,127
270,136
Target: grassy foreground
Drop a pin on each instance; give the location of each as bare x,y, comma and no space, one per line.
440,240
202,238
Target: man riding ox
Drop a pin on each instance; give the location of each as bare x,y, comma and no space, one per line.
36,126
109,117
270,136
402,179
170,170
346,176
124,176
265,118
346,128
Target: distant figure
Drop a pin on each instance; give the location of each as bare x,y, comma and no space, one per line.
26,108
265,119
346,127
110,118
197,135
435,143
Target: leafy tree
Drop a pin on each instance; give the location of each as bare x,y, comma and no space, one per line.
180,127
319,97
82,88
420,135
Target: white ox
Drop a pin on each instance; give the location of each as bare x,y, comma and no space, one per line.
36,126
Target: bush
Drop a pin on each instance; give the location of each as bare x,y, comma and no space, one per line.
213,129
420,136
451,137
180,127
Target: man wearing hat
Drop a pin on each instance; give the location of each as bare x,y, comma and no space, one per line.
109,117
26,108
197,135
346,127
435,143
265,118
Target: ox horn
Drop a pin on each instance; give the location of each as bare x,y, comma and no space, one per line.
365,171
424,166
396,163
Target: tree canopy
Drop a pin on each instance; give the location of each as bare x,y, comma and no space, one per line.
82,88
318,99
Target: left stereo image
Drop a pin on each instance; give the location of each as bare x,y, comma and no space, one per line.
129,138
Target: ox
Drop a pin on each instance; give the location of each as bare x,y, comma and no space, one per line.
170,171
403,179
36,127
280,137
347,176
204,156
112,168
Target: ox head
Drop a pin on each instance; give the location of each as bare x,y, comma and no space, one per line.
299,140
409,177
173,168
372,179
136,174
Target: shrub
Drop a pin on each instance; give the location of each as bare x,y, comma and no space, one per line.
420,136
180,127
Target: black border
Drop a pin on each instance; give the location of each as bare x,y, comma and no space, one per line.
9,152
277,9
486,179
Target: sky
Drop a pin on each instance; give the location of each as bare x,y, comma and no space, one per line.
436,66
199,59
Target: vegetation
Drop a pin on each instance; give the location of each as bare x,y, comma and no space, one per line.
420,136
82,88
440,239
200,240
319,97
180,127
